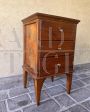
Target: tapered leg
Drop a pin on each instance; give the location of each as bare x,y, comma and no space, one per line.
25,78
38,83
52,78
69,83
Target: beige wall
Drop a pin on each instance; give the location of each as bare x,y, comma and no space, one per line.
13,11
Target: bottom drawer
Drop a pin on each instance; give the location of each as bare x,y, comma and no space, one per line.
54,65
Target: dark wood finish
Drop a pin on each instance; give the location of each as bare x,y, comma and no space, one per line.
25,78
58,29
38,83
56,45
52,53
55,65
49,43
48,17
69,82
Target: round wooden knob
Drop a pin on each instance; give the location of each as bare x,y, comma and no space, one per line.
58,64
61,30
59,48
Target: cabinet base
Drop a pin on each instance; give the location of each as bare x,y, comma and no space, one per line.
38,83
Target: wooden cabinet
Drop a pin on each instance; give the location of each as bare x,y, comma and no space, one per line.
49,43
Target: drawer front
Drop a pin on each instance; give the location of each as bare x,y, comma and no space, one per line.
51,30
57,45
54,65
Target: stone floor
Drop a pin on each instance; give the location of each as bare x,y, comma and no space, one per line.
14,98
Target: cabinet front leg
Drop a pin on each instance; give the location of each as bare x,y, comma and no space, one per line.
25,78
69,83
52,78
38,83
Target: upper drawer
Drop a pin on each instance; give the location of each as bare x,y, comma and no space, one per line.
57,45
51,30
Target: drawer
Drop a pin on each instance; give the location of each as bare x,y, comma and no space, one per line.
51,30
57,45
54,65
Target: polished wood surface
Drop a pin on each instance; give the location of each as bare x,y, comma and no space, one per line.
58,29
38,83
31,46
69,82
56,45
55,65
43,16
49,44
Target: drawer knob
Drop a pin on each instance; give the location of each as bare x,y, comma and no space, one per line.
59,65
59,48
61,30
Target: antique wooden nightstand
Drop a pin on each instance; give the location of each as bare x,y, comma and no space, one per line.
49,43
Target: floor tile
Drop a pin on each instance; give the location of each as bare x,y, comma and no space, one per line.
31,82
81,71
3,106
32,89
76,84
73,78
56,81
64,100
17,91
44,96
55,90
88,87
3,95
86,80
83,75
63,80
88,72
18,102
18,111
86,104
80,94
10,82
60,76
47,106
77,108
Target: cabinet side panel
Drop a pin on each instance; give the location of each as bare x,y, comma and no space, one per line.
31,46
